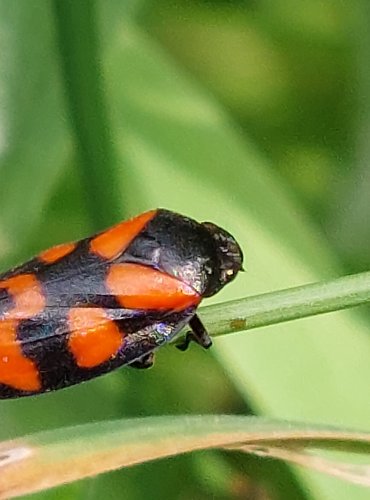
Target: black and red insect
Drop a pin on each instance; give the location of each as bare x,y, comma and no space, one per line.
79,310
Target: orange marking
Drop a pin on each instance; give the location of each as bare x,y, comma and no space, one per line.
27,295
94,337
141,287
55,253
112,242
15,369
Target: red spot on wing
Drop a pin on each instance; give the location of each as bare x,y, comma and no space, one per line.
16,370
27,295
141,287
112,242
55,253
94,338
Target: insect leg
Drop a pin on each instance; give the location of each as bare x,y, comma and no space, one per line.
144,362
198,334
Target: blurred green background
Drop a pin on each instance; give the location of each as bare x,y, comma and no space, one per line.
254,114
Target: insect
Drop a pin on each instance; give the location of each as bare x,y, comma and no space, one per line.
79,310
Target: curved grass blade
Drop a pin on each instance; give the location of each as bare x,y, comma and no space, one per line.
50,458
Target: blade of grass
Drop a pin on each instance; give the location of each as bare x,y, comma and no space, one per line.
78,44
286,305
34,135
59,456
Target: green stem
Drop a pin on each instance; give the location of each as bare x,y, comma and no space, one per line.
286,305
79,48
